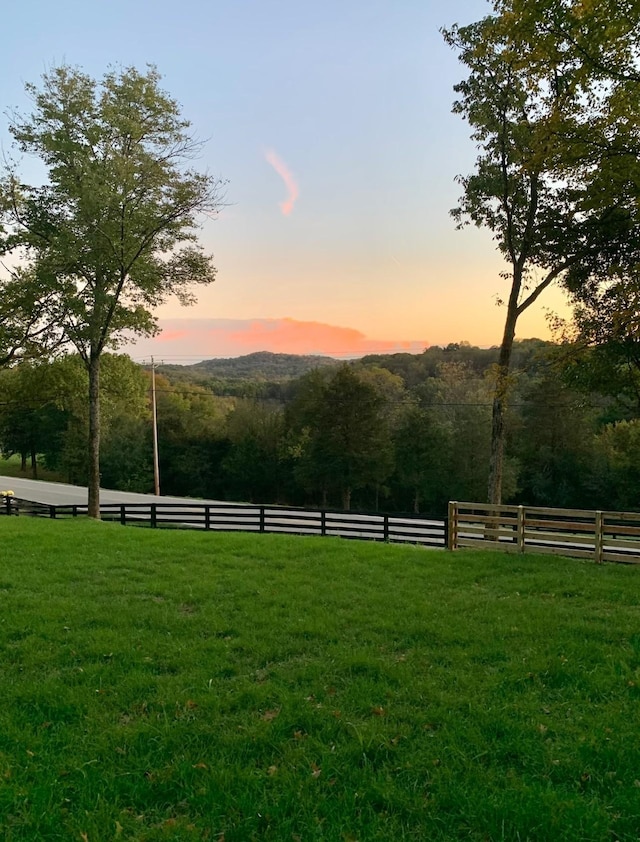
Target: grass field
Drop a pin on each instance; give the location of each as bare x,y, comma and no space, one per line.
160,685
11,467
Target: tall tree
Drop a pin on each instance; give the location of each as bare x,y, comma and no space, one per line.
191,423
554,443
615,475
112,230
255,466
533,185
26,413
423,444
344,439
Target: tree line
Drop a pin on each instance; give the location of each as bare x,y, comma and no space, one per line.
397,433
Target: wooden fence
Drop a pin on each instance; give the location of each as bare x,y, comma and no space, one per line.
255,518
601,536
598,535
8,504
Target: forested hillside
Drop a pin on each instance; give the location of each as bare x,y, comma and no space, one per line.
262,365
259,374
401,432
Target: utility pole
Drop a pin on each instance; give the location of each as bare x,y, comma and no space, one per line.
154,418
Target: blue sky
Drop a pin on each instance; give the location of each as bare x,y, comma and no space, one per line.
353,100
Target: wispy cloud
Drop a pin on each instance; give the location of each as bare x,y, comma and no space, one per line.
286,175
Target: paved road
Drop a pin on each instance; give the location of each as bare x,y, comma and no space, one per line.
427,532
60,494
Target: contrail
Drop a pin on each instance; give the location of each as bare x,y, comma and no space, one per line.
283,171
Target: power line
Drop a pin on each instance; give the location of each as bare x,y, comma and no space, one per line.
407,400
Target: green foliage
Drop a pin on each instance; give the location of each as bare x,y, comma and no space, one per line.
44,412
256,464
595,40
111,232
423,441
462,401
411,448
605,370
191,438
617,463
556,181
603,345
113,227
554,442
126,453
193,686
260,366
344,439
29,419
26,328
519,123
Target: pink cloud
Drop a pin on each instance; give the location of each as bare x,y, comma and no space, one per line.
190,340
290,336
285,174
169,335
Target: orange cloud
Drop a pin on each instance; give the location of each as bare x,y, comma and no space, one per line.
285,174
290,336
168,335
191,340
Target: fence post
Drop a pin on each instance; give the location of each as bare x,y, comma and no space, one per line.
452,519
385,527
207,517
153,516
261,518
323,522
52,511
520,529
599,528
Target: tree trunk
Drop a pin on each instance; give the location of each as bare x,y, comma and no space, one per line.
34,463
23,461
496,458
346,499
94,437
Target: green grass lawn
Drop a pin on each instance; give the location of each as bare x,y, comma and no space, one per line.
11,467
164,685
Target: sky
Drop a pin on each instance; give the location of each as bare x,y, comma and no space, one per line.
331,124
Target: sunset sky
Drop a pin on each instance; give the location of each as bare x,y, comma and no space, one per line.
332,123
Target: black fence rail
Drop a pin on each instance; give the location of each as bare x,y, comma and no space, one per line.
240,517
8,504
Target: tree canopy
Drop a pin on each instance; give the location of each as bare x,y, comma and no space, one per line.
112,231
550,181
26,330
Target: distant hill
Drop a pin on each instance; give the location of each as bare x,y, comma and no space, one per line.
260,366
265,374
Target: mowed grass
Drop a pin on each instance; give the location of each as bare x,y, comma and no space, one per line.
164,685
12,467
